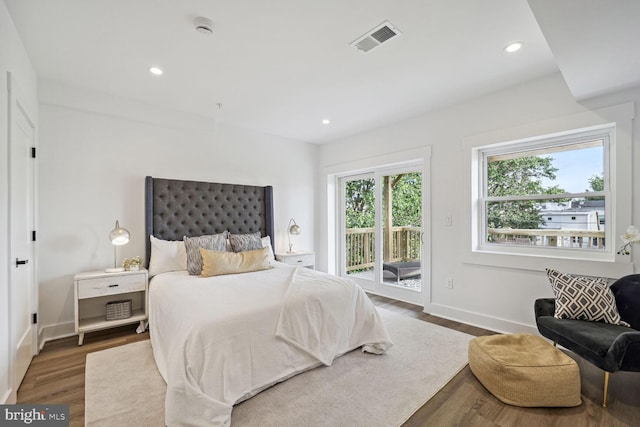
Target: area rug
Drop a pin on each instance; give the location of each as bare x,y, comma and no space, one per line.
123,386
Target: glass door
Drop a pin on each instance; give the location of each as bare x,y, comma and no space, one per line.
402,230
381,232
358,225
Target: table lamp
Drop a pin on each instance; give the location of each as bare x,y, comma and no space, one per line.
292,229
119,236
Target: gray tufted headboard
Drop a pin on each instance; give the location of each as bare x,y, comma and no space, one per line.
176,208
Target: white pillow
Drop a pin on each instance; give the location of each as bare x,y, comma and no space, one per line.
266,242
167,255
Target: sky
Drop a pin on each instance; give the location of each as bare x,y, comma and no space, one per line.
575,168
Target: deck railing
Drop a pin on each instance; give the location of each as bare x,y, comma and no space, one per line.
585,239
405,246
360,247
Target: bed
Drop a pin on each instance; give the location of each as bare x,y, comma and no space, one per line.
222,339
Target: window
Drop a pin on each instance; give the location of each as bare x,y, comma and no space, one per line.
546,193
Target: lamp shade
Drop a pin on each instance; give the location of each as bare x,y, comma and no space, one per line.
294,229
119,236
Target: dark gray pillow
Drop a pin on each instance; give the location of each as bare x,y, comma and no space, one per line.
245,242
212,242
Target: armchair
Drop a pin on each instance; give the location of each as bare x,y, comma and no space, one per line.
610,347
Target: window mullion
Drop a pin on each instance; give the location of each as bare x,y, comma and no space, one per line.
545,196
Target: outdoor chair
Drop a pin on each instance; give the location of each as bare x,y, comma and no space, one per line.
403,270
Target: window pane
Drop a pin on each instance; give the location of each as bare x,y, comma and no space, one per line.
569,223
402,229
359,226
573,168
547,192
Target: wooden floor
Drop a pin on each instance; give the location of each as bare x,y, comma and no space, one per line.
465,402
56,375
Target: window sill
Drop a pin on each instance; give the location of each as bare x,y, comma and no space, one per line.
590,264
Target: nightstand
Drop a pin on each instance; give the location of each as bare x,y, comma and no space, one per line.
94,289
303,258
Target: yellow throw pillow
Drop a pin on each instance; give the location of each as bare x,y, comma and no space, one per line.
216,263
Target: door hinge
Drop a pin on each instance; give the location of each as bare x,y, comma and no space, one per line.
33,152
35,318
33,236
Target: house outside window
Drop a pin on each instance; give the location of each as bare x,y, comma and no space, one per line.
548,193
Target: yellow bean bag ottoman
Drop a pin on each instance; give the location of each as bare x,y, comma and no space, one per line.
525,370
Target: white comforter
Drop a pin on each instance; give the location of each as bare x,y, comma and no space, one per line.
220,340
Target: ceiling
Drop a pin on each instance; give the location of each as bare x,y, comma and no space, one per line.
281,66
595,43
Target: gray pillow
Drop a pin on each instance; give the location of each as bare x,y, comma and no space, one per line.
212,242
245,242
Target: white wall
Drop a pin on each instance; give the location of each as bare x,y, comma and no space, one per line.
95,151
14,59
500,296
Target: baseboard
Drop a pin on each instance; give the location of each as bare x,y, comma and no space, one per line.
399,298
54,332
480,320
9,398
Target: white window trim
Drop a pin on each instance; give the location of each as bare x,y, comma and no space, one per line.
604,132
603,263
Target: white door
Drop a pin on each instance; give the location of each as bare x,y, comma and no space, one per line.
22,135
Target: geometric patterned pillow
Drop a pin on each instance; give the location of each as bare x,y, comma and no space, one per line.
583,298
212,242
245,242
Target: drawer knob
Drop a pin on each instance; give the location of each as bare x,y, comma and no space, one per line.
114,286
299,260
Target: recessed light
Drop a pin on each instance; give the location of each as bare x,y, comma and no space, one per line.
513,47
326,121
156,71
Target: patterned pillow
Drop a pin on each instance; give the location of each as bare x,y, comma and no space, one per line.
583,298
245,242
213,242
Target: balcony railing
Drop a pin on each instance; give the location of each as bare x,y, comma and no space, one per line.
406,242
360,248
584,239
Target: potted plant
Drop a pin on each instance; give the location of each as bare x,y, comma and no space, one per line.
132,264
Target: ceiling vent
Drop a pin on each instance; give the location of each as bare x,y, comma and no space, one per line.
375,37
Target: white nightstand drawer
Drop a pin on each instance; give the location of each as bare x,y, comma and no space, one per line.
300,259
303,259
100,286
